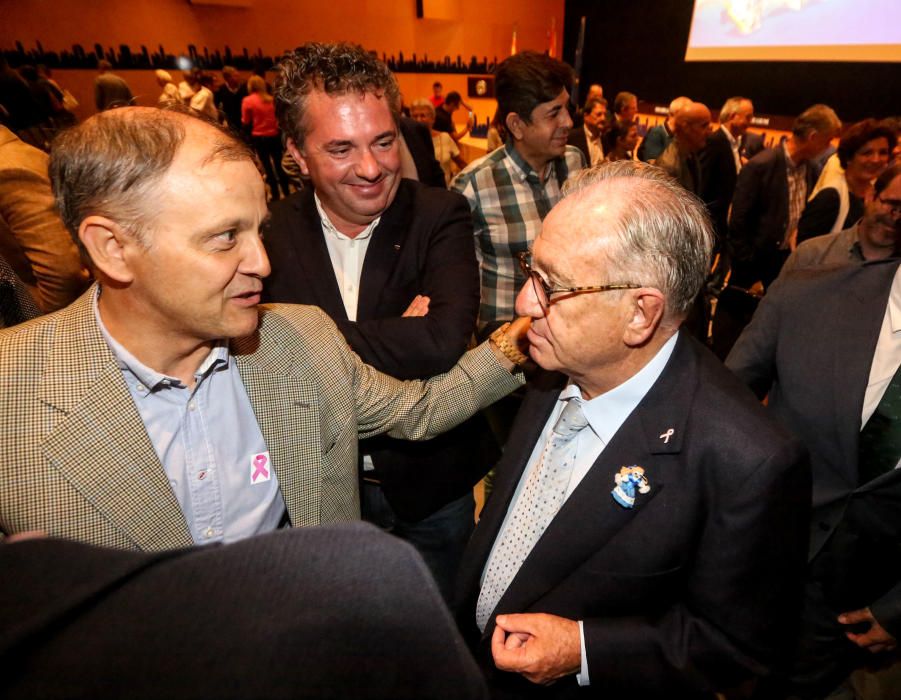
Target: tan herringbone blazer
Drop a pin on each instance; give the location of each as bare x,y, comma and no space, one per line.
77,463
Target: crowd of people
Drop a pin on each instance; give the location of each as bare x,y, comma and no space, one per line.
198,355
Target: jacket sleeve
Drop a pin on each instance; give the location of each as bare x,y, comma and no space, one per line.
421,347
27,208
744,221
753,357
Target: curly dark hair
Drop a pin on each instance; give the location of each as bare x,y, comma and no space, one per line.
335,69
861,133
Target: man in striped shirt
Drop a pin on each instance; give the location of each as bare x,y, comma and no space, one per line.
512,189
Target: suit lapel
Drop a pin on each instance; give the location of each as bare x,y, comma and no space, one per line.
384,251
316,269
287,409
590,517
100,446
852,357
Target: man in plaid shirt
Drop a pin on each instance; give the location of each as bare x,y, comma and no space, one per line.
512,189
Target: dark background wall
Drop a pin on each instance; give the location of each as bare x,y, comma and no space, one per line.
639,46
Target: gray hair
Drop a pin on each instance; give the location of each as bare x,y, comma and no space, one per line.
110,164
663,235
335,69
819,118
731,107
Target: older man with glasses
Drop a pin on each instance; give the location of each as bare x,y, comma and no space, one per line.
647,528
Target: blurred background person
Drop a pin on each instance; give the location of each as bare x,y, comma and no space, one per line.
447,152
619,141
258,115
169,95
837,200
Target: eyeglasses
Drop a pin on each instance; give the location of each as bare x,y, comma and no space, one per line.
543,291
893,204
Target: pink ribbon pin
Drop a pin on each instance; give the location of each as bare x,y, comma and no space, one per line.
259,468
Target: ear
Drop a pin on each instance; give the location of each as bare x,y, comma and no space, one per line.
647,313
515,126
297,156
107,244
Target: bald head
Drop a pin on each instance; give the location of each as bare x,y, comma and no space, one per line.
691,126
110,164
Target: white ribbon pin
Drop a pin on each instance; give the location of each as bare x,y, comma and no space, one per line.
667,435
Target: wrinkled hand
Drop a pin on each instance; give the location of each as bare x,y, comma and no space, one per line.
418,307
541,647
875,639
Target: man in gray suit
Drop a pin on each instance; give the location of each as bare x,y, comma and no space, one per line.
825,346
165,406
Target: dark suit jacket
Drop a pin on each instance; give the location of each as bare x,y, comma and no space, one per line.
751,144
810,346
422,245
292,614
760,210
419,141
692,589
718,177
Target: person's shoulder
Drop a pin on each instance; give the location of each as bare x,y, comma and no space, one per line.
574,158
479,173
419,196
737,425
766,158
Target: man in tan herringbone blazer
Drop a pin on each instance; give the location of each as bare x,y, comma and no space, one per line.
168,210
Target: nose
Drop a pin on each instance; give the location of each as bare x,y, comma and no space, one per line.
527,303
567,119
368,167
255,261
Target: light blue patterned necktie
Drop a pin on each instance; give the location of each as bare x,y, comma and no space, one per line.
539,502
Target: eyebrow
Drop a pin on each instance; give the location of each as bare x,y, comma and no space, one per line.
341,143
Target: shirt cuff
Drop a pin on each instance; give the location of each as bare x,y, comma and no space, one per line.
582,676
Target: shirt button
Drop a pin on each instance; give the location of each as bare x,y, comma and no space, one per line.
209,532
139,387
192,406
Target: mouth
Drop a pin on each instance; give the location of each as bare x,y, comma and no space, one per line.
247,299
369,188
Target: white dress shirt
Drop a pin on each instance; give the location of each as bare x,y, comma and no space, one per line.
347,255
887,357
735,145
605,414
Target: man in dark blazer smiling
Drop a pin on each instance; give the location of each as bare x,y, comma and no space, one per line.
646,534
393,263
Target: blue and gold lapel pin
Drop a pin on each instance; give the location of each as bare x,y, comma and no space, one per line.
628,481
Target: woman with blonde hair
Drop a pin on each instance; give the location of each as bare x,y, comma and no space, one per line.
258,115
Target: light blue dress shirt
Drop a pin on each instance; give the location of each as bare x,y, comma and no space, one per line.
209,443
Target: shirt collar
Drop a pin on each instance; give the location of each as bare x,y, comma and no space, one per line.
732,140
591,137
150,379
607,412
788,159
329,228
522,169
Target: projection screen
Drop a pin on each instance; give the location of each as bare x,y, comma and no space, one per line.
795,30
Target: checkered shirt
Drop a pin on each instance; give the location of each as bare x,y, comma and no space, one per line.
508,202
797,194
